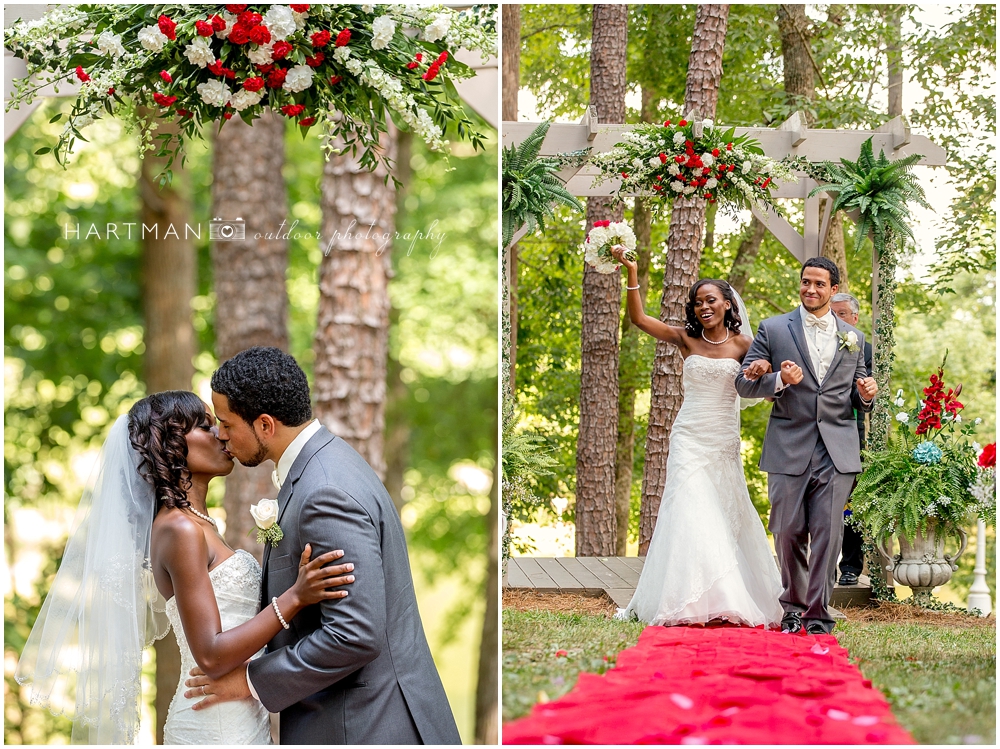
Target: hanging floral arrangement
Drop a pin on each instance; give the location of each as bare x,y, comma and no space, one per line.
670,161
343,68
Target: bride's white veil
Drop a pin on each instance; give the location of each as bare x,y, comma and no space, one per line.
745,329
83,658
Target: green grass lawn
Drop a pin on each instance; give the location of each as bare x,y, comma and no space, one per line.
939,678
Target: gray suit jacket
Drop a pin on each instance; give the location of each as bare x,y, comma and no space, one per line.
811,409
355,670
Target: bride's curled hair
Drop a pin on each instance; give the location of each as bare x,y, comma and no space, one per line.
157,427
732,320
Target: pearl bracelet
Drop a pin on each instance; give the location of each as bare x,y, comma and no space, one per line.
631,288
274,605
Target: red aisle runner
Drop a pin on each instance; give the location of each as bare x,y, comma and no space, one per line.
726,685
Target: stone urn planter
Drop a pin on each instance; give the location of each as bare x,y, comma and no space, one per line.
922,564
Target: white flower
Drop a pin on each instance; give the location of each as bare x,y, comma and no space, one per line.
367,8
676,186
944,501
922,405
712,182
852,338
340,54
261,55
958,418
931,510
637,164
215,93
383,28
673,170
708,123
83,121
244,99
903,418
199,52
298,79
707,159
354,66
265,513
300,19
152,39
976,446
280,21
977,422
899,402
688,190
230,20
110,44
746,167
679,139
654,162
899,393
437,28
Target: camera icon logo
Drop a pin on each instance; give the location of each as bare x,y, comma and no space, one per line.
227,231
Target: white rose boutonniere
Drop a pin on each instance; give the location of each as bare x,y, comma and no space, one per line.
849,340
265,516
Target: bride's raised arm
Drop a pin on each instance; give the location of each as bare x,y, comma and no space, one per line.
637,314
185,558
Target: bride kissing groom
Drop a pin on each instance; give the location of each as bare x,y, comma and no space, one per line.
338,650
709,558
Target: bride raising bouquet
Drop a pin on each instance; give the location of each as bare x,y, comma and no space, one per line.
602,238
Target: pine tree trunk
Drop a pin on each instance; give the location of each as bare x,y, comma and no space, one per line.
746,256
684,243
799,73
251,306
169,284
595,453
511,83
352,325
894,58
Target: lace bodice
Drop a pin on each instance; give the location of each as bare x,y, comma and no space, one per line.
236,582
709,415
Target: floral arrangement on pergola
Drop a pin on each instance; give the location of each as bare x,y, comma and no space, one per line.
343,68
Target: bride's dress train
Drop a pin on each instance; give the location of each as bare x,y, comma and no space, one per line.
709,557
236,582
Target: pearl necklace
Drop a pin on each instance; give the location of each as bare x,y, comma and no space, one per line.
204,517
714,343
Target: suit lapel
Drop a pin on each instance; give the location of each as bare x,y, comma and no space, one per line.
799,336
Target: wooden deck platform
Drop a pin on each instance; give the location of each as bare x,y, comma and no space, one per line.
617,577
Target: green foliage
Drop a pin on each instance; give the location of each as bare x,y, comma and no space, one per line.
531,186
524,459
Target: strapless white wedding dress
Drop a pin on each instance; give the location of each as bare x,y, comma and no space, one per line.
237,591
709,557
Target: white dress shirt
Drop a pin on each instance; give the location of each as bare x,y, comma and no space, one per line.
278,478
822,344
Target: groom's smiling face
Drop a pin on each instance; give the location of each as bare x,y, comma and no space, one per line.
240,438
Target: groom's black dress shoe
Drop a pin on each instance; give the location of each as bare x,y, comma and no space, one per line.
848,578
791,623
815,628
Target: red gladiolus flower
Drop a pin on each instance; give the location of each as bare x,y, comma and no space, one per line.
236,9
249,19
260,35
683,123
299,8
320,38
276,78
335,79
163,100
343,38
204,28
316,60
166,76
280,50
167,27
227,115
253,84
307,121
988,457
420,57
293,110
218,23
81,75
442,58
431,72
239,35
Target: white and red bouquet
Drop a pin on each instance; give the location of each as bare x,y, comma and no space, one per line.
984,489
600,240
345,68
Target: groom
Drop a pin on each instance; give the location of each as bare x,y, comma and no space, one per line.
811,449
354,670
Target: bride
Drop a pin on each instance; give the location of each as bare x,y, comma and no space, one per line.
142,534
708,557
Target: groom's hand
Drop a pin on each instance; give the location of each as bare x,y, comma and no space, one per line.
867,387
791,373
232,686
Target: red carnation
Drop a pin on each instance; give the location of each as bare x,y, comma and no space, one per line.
307,121
320,38
715,152
988,457
167,27
299,8
683,123
335,79
218,23
81,75
732,167
624,175
265,69
239,35
111,91
249,19
666,124
679,159
184,113
280,50
227,115
663,158
163,100
216,67
204,28
253,84
293,110
420,57
659,177
236,9
343,38
260,35
316,60
729,146
166,76
276,77
411,65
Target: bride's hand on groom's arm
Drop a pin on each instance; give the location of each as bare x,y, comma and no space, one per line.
315,580
757,369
